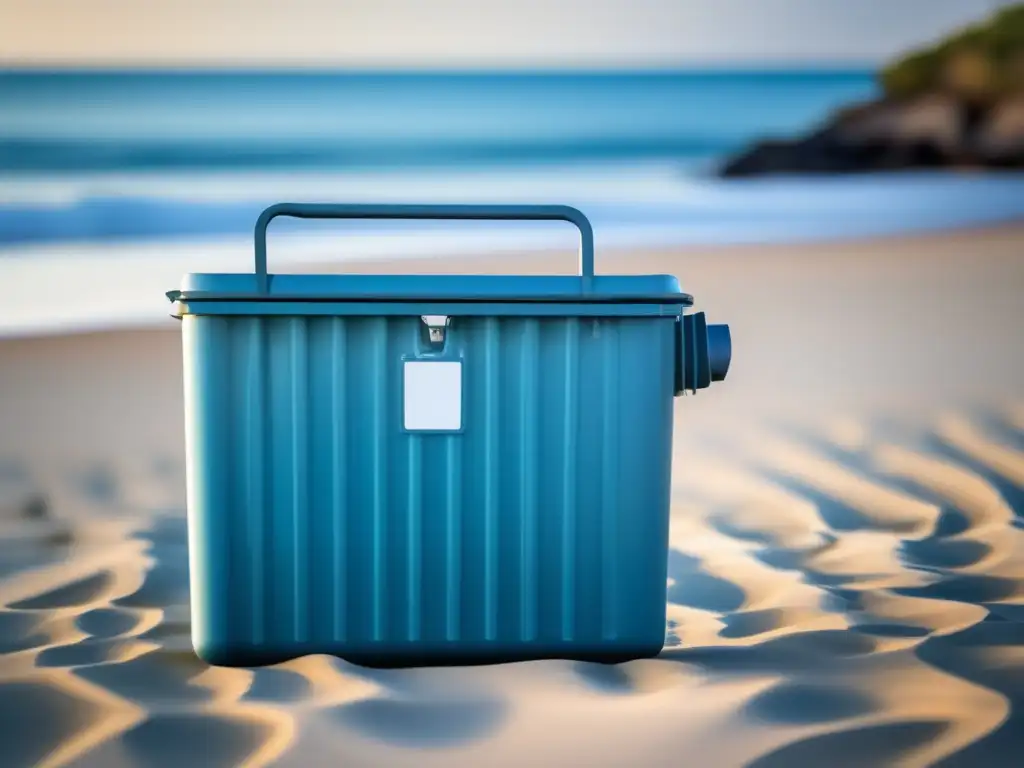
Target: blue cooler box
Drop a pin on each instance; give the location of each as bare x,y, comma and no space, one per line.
426,470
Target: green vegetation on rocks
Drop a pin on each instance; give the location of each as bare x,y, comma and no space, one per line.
982,63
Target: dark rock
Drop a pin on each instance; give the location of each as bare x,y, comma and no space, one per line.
934,131
763,157
937,119
35,508
1000,138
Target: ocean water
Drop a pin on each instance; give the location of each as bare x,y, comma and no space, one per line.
136,174
86,138
114,121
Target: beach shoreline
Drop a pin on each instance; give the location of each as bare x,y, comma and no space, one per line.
901,322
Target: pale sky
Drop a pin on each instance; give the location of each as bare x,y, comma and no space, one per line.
475,33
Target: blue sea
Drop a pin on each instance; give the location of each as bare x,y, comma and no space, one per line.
168,168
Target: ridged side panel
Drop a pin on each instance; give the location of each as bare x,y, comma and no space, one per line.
318,524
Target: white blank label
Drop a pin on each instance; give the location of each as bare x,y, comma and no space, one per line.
433,396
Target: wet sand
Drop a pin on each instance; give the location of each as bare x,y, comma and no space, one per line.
846,573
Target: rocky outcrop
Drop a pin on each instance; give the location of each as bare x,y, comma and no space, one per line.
959,104
1001,139
934,131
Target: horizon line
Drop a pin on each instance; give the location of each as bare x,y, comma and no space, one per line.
326,68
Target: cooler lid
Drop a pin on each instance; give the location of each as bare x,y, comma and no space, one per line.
604,289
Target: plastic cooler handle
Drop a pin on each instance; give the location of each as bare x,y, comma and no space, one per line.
433,212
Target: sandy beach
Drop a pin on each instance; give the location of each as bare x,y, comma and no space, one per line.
846,574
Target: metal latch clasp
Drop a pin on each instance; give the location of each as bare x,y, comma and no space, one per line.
436,325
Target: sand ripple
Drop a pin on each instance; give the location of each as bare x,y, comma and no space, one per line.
845,596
